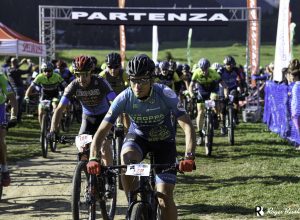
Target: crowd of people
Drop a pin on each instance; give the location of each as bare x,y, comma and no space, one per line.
146,97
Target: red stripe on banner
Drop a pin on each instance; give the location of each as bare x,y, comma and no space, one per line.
253,38
122,36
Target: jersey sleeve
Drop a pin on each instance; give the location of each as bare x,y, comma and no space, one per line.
3,84
172,101
102,74
117,107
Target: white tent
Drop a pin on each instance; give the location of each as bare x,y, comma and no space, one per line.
13,43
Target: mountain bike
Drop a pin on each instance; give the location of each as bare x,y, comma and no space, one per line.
46,105
229,119
88,189
208,128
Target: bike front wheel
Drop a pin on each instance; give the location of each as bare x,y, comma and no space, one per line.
83,204
209,133
140,211
230,126
44,140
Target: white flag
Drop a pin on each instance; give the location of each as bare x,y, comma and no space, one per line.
155,44
282,51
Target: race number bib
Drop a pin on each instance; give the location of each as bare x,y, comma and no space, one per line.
82,140
138,170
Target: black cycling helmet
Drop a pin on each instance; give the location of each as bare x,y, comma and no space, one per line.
83,63
140,65
113,60
204,63
173,65
164,65
229,60
186,67
179,68
47,67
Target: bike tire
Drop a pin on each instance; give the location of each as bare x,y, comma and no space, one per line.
209,133
80,192
107,205
44,140
140,211
119,143
230,126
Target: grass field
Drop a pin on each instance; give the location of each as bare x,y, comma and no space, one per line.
260,170
215,52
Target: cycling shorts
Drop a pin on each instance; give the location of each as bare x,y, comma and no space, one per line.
3,120
90,123
164,152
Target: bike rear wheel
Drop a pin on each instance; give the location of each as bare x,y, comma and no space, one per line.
44,140
140,211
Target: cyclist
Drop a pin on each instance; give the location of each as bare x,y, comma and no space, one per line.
149,106
205,81
48,84
114,73
166,76
230,82
93,92
65,73
5,181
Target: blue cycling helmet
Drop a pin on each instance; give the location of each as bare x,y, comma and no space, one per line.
164,65
204,63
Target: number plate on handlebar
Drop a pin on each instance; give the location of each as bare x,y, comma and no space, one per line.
82,140
45,103
210,103
138,170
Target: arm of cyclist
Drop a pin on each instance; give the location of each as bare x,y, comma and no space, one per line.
57,115
93,167
188,164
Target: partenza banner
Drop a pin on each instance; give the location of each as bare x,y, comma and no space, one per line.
151,16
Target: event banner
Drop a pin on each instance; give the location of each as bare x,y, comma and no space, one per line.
253,38
151,16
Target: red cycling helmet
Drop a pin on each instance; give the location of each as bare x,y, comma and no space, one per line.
83,63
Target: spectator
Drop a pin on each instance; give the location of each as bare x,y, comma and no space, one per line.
15,78
295,102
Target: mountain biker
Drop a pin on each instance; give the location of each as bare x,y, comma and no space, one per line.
205,81
117,78
167,76
230,82
63,71
149,106
48,84
94,94
114,73
5,181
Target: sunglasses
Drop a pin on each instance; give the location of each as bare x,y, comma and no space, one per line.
47,70
142,81
113,66
85,73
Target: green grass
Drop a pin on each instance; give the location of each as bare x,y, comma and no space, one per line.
214,51
260,169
